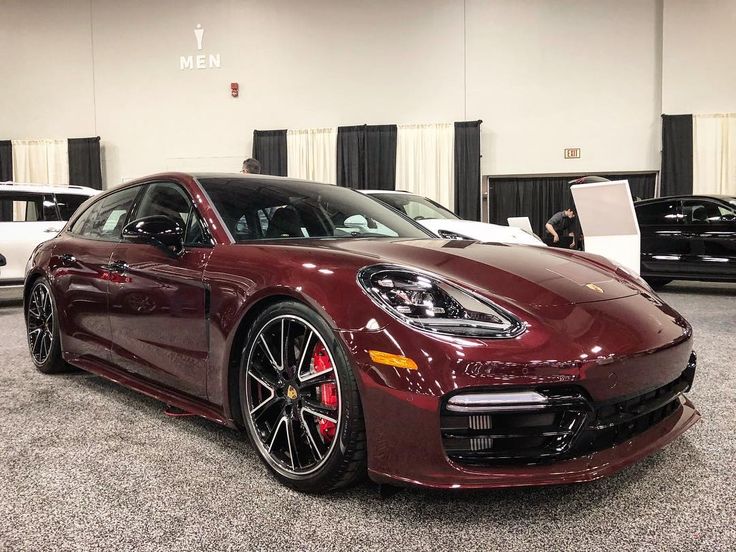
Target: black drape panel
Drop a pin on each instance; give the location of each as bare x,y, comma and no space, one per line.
641,185
6,161
541,197
6,174
366,157
84,162
467,169
269,148
677,155
351,157
537,198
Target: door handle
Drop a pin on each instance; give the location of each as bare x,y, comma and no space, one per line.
117,266
49,230
67,259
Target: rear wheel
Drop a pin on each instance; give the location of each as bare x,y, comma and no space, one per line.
43,329
300,400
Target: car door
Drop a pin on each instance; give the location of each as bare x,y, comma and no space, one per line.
80,274
711,232
663,241
26,220
159,302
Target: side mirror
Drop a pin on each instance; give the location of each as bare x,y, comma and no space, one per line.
157,230
3,261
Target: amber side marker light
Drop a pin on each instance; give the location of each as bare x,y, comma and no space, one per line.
379,357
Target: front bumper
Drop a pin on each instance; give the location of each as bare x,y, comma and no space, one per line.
431,471
639,347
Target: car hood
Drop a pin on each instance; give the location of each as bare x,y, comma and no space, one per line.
520,274
482,231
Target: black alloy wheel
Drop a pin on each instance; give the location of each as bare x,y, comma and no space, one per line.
300,400
43,329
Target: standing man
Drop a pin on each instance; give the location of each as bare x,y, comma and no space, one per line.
560,224
251,166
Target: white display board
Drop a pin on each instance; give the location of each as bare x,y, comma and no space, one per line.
608,221
521,222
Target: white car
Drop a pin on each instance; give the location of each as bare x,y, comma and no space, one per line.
446,224
29,215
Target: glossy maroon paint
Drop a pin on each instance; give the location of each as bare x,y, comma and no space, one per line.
172,328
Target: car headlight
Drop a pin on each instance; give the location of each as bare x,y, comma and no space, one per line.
429,303
449,235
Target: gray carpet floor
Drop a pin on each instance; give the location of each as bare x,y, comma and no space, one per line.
88,465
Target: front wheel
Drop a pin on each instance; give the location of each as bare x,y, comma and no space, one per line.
42,326
300,400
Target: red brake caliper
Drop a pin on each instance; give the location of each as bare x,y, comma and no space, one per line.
327,391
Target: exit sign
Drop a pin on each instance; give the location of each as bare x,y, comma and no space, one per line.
572,153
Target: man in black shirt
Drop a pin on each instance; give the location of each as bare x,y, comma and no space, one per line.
560,224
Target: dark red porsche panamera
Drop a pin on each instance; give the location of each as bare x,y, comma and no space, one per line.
342,338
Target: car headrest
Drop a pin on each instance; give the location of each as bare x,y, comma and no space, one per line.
285,223
699,214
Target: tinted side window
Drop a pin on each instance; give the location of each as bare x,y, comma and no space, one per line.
663,213
702,211
22,207
104,220
68,204
170,200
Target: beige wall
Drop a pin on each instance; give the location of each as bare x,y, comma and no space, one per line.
546,75
699,64
543,75
45,69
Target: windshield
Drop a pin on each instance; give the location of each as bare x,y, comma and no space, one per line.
286,209
416,207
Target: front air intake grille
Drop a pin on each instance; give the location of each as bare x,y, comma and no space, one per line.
559,423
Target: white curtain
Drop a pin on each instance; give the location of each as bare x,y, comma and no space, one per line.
41,161
311,154
714,154
425,161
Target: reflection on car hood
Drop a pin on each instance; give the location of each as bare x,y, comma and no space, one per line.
538,276
481,231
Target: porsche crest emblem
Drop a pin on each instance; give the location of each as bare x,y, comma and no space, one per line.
594,287
291,393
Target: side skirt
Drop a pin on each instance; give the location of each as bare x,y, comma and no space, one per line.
151,389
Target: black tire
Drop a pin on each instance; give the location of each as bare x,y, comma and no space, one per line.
658,283
44,342
288,412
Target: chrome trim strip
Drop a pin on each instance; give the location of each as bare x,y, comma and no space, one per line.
497,402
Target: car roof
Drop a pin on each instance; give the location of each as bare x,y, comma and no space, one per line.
45,189
686,196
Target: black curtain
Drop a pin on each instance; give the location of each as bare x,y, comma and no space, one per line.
84,162
641,185
541,197
467,169
6,161
6,174
269,148
366,157
677,155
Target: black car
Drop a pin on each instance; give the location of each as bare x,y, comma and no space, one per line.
688,238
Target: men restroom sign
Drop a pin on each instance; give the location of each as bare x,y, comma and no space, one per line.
199,60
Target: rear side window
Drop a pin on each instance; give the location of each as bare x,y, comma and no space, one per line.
25,207
662,213
104,219
68,204
702,211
